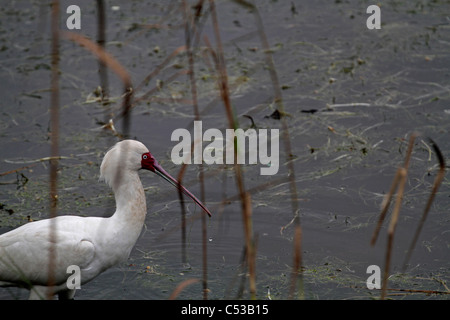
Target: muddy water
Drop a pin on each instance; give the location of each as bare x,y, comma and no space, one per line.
352,97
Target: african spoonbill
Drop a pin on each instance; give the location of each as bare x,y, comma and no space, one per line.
94,244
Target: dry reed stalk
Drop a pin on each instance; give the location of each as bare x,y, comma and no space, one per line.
251,249
191,74
204,254
54,138
402,173
278,98
224,90
183,213
101,39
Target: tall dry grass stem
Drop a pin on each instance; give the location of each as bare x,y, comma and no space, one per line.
219,60
189,24
296,275
54,139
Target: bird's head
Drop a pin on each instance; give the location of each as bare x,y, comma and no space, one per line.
132,155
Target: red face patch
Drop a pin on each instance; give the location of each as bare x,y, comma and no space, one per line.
147,161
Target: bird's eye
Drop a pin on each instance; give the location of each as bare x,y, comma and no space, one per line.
144,157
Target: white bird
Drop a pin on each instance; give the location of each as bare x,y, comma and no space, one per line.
93,244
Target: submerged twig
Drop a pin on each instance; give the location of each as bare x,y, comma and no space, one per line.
181,287
16,170
352,104
418,291
51,158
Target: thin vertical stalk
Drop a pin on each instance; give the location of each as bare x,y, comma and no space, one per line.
402,172
297,261
399,181
126,108
191,74
245,200
385,206
251,251
204,255
183,214
54,138
103,70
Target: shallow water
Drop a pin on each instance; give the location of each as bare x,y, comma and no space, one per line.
384,84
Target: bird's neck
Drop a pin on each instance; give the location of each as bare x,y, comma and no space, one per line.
130,202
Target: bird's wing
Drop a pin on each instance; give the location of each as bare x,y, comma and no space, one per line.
25,252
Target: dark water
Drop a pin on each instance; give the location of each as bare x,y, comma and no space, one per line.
352,96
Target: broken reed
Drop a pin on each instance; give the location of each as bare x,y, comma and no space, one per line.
398,184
